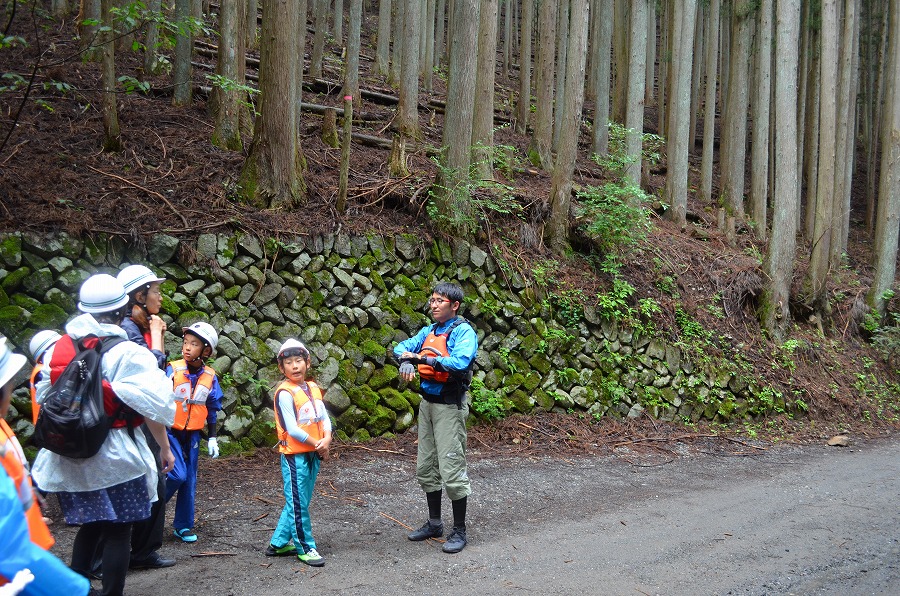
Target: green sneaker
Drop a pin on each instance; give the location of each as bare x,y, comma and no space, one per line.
312,557
280,551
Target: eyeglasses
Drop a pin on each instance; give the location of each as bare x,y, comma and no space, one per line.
437,300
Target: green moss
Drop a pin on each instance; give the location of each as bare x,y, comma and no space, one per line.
346,373
232,292
13,320
14,278
361,436
10,249
363,397
262,433
394,399
188,318
49,316
340,435
169,307
4,298
405,282
365,264
383,377
374,351
25,301
318,298
377,281
340,335
351,419
381,420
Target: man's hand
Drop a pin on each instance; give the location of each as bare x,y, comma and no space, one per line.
407,372
212,447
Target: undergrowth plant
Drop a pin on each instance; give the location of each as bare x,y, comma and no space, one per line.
489,404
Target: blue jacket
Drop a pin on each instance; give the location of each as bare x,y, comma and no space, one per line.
462,345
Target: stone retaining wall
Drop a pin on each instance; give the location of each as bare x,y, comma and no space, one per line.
350,299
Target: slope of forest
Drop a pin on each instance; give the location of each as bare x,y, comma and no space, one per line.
169,178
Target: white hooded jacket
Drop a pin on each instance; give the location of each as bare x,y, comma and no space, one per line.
135,378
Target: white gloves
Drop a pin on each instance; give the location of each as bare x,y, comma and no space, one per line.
18,583
212,447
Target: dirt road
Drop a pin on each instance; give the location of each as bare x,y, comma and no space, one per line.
787,520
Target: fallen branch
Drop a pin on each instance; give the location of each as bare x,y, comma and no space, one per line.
256,519
146,190
214,555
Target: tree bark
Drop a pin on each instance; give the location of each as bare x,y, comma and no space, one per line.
759,154
320,20
603,15
523,108
151,39
709,102
427,69
181,67
775,313
557,228
824,226
679,114
112,136
383,47
542,139
888,221
483,119
408,108
562,46
339,21
620,54
846,139
228,104
351,74
272,174
634,118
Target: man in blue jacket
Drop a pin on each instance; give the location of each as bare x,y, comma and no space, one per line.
445,354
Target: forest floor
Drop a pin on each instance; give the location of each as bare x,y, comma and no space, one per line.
169,178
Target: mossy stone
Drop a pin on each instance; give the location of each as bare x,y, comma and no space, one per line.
394,399
13,319
374,351
363,397
352,418
257,350
262,433
522,402
11,250
383,377
14,278
361,436
49,316
4,298
25,301
381,420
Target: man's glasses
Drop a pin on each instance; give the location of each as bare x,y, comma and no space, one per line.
437,300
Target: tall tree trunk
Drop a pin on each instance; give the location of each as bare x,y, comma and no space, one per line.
228,104
620,46
59,8
88,20
679,123
439,27
557,229
697,77
397,50
888,221
759,154
427,68
634,117
651,55
252,39
507,37
339,21
775,314
408,108
483,119
709,102
112,137
603,15
184,45
523,108
811,133
151,39
542,138
734,130
453,204
272,174
846,110
320,23
351,74
383,47
562,46
303,9
824,228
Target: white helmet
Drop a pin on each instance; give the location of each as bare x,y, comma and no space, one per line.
10,363
292,344
101,293
41,341
205,332
135,277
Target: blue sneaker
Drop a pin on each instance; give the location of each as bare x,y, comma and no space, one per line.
186,535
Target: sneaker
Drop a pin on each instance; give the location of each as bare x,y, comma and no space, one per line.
312,557
186,535
281,551
428,530
456,541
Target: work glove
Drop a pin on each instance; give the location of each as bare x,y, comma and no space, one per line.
406,368
18,583
212,447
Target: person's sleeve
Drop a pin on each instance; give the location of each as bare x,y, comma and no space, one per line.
136,380
463,346
134,334
43,380
18,552
213,405
285,404
413,344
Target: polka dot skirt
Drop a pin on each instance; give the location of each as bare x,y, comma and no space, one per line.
123,503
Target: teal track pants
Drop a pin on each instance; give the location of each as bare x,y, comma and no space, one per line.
299,472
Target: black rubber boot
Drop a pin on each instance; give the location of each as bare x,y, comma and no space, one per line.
429,529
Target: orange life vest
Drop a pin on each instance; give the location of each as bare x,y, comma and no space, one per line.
190,410
12,458
32,385
63,353
436,345
309,412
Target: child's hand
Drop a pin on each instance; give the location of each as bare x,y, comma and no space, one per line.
322,447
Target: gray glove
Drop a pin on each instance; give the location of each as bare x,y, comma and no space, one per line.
407,368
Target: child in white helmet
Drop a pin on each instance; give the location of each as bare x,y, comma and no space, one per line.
24,538
198,398
40,343
304,436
